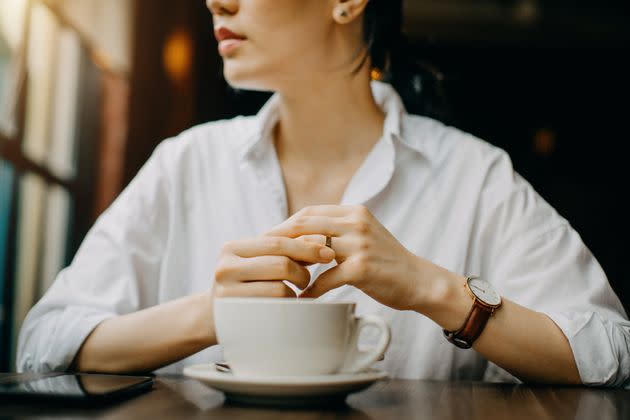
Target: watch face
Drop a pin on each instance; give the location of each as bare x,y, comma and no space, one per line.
484,291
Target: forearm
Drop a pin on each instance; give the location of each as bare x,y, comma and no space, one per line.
149,339
524,342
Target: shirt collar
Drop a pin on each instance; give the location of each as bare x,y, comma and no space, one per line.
384,94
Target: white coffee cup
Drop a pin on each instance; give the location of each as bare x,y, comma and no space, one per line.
294,337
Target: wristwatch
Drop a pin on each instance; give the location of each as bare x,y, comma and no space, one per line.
485,301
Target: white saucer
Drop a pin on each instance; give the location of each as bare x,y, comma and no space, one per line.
284,390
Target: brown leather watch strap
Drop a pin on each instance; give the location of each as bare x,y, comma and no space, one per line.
472,328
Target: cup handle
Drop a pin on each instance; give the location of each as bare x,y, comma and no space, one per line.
357,360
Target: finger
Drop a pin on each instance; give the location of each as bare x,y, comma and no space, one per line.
310,225
328,280
344,246
313,239
334,210
258,289
316,239
281,246
267,267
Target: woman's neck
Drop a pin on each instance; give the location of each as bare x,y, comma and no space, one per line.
328,122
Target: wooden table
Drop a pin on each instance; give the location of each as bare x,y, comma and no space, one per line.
178,397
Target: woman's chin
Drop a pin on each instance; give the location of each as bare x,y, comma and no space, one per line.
248,76
247,83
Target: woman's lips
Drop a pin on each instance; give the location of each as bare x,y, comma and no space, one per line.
228,45
228,40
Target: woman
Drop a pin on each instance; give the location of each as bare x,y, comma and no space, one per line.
408,207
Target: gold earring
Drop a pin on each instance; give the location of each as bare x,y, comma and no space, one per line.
376,74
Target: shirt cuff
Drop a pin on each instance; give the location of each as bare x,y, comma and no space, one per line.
69,331
598,346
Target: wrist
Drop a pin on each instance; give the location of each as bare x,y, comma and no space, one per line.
445,299
203,325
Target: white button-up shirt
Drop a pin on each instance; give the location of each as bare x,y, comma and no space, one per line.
444,194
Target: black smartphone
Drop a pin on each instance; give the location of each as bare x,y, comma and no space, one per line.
74,387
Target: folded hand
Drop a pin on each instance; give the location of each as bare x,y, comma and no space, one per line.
369,257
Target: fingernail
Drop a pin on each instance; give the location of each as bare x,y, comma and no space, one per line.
326,253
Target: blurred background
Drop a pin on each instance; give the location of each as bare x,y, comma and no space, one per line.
88,88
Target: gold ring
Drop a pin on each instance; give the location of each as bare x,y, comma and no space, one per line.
329,242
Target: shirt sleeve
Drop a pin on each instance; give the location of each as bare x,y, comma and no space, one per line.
536,259
114,272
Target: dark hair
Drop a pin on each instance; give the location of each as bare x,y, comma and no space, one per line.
418,83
